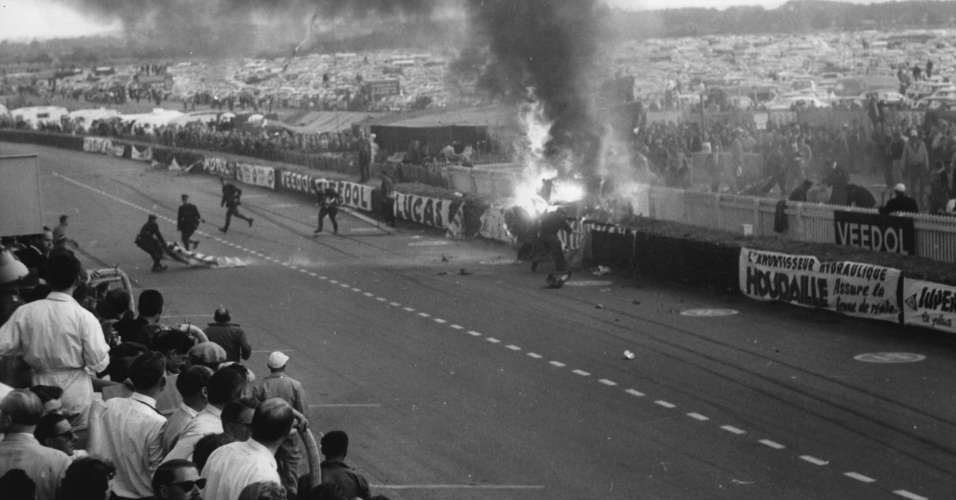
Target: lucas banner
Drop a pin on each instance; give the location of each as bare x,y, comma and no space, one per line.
432,212
929,305
849,288
256,175
880,233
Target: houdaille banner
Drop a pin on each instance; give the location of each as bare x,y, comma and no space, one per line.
850,288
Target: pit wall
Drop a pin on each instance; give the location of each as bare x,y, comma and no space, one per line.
849,288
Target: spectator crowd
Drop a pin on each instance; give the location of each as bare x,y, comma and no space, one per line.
99,402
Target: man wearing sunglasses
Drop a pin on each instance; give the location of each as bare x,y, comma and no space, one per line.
55,431
178,480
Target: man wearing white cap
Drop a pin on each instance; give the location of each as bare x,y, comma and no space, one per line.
900,203
279,385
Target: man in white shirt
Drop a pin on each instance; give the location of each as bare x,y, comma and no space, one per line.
131,429
236,465
59,339
224,386
192,386
20,412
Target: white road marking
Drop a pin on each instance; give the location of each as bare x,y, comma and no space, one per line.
665,404
356,290
492,340
773,444
698,416
424,314
474,333
381,299
344,285
534,355
457,327
581,373
732,429
440,321
632,392
607,382
313,275
512,347
304,271
367,294
813,460
911,496
859,477
323,278
557,363
334,282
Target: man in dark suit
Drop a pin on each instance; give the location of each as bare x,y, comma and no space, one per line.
187,222
900,203
231,199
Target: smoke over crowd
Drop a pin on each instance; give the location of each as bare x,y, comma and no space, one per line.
218,28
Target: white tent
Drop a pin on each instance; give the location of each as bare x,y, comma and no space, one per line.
88,116
39,114
157,118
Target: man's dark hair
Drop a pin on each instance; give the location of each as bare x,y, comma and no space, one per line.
114,304
150,303
62,271
192,380
208,444
46,427
335,444
176,340
272,421
47,393
166,473
232,410
147,370
88,478
17,485
225,386
63,218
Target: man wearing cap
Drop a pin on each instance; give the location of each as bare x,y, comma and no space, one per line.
151,241
228,335
900,203
279,385
916,164
187,222
208,354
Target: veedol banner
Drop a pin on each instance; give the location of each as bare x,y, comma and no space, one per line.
218,166
97,144
300,183
930,305
850,288
257,175
881,233
423,210
354,195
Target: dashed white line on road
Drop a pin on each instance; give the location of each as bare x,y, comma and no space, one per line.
557,363
381,299
394,304
534,355
440,321
581,373
698,416
367,294
665,404
859,477
334,282
911,496
607,382
457,327
474,333
512,347
773,444
424,314
633,392
732,429
813,460
492,340
409,309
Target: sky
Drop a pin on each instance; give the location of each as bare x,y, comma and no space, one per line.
42,19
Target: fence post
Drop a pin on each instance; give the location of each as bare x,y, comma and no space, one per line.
718,211
756,216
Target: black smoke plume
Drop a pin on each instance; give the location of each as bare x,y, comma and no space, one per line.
236,27
550,46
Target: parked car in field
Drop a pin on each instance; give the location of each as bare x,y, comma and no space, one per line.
786,103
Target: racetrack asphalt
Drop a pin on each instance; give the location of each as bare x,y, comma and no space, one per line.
459,375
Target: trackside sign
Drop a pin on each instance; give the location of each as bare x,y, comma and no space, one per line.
880,233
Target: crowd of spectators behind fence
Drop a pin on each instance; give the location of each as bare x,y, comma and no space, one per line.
172,417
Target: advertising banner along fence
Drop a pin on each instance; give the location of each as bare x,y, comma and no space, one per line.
256,175
881,233
219,166
432,212
850,288
929,305
355,195
97,145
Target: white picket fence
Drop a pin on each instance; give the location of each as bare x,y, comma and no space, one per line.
810,222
